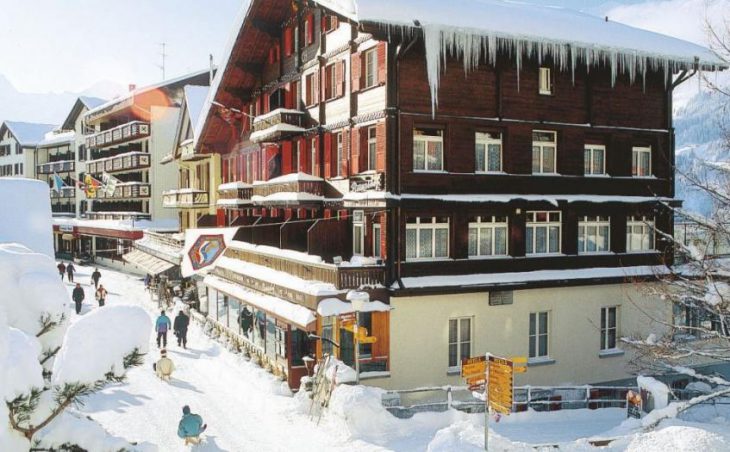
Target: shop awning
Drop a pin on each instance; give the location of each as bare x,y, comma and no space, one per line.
147,262
285,310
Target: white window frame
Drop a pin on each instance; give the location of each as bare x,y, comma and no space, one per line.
606,328
540,147
491,223
589,162
430,224
377,245
371,67
545,81
487,139
538,336
358,224
534,222
372,147
340,149
636,168
426,140
648,234
585,223
459,342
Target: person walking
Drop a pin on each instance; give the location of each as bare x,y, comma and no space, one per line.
101,294
95,277
190,427
61,269
78,296
181,329
162,325
70,269
164,366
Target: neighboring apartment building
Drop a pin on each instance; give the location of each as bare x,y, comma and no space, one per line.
18,141
502,196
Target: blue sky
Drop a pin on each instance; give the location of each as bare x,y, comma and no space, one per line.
68,45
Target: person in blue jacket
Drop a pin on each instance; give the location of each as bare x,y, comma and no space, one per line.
190,427
162,326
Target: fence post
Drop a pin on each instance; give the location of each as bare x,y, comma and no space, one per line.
448,397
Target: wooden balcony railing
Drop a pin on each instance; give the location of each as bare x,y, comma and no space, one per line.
185,199
312,187
125,162
64,193
234,195
130,190
341,277
67,166
126,132
130,216
276,124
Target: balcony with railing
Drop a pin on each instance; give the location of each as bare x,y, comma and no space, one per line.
277,124
125,162
126,190
64,193
124,216
64,166
233,195
289,190
186,198
126,132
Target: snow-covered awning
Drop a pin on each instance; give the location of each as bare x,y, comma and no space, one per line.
334,306
287,311
147,262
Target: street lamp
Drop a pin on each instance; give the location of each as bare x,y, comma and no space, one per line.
314,337
359,301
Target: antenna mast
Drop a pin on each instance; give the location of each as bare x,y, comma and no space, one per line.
164,57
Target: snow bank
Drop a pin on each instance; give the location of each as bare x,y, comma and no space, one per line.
71,428
658,390
33,228
684,438
97,343
22,368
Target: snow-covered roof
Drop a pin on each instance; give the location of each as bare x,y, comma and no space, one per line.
195,99
292,177
233,185
52,138
91,102
28,133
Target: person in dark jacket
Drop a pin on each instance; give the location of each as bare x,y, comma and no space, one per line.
245,319
96,276
181,329
61,269
78,296
70,269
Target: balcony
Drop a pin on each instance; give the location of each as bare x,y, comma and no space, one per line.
289,190
234,195
187,152
125,162
64,166
186,198
126,190
277,124
343,278
125,216
126,132
64,193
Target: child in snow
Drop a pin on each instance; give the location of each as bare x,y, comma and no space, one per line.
70,269
190,427
61,269
164,366
95,277
78,296
101,294
181,329
162,325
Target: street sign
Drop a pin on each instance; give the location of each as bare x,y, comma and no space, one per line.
474,367
499,384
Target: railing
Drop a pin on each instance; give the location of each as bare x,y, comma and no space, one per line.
124,162
234,196
65,192
66,156
126,191
63,208
155,243
126,132
315,187
67,166
341,277
133,216
277,124
185,198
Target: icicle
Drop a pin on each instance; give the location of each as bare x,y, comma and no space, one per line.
573,61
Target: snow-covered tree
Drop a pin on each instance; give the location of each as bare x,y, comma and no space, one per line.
48,364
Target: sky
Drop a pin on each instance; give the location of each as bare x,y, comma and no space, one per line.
70,45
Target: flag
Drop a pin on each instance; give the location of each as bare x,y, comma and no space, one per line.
110,183
90,185
58,183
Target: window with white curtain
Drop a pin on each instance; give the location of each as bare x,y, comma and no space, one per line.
608,327
593,234
595,160
639,234
459,341
488,148
428,150
427,238
641,162
539,335
543,232
544,152
487,236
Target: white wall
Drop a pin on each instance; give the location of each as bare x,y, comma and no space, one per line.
163,128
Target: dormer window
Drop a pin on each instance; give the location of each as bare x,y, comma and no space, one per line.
546,81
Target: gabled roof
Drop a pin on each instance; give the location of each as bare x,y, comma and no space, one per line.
195,99
81,103
27,133
91,102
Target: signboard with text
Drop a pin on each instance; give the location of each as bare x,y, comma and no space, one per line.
500,382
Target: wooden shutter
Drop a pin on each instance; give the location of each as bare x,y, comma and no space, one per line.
315,80
345,162
310,28
288,41
328,155
339,78
323,84
364,149
286,157
382,63
316,171
381,330
342,82
303,155
356,68
355,150
380,146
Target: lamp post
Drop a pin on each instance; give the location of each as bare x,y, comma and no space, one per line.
359,301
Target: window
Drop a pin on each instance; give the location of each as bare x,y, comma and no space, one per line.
280,341
500,298
330,87
427,238
428,150
309,29
593,234
377,252
539,335
487,236
358,232
327,333
371,67
338,172
329,23
546,82
544,152
459,341
543,232
608,328
372,148
488,147
595,160
641,162
313,156
639,234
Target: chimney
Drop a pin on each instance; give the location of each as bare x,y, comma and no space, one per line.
132,87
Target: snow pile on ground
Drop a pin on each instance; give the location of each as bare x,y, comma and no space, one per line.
72,428
686,439
658,390
98,342
32,228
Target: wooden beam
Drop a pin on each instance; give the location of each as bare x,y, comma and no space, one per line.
270,29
